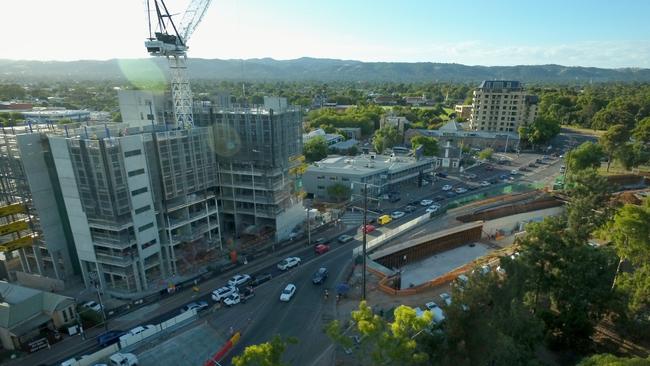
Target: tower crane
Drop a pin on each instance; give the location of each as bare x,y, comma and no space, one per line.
170,41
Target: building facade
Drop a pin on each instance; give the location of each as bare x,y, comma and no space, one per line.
502,106
463,111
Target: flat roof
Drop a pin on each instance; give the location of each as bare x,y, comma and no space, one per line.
365,164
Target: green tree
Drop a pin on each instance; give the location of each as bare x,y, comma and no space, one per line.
585,156
430,144
385,138
386,343
611,360
589,208
315,149
613,141
541,131
338,191
486,153
265,354
641,132
116,117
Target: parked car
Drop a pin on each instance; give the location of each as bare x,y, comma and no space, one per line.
288,292
232,299
461,190
503,177
441,174
344,238
447,187
92,306
484,183
514,172
451,193
238,280
110,337
320,276
200,305
384,219
368,229
260,279
220,293
287,263
321,248
246,294
426,202
431,305
446,298
432,208
439,198
139,329
410,208
320,241
397,214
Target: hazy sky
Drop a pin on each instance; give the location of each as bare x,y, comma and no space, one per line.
602,33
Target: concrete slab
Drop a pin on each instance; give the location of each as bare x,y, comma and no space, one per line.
439,264
192,347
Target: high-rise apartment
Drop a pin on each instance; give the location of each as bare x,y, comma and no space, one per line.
502,106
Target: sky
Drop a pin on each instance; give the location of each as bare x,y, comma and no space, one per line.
598,33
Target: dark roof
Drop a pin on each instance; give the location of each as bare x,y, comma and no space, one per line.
500,84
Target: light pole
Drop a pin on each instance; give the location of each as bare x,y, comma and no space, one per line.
365,242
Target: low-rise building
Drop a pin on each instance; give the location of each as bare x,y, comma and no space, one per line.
26,314
330,138
459,136
398,122
382,173
55,115
463,111
344,147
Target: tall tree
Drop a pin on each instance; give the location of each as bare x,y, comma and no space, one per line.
587,155
385,138
315,149
589,208
265,354
613,141
430,144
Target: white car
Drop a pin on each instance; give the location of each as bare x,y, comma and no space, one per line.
92,306
426,202
484,183
432,209
139,329
288,292
239,280
446,298
397,214
220,293
460,190
232,299
288,263
431,305
447,187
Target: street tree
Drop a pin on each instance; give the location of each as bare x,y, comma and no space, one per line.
265,354
587,155
385,138
486,153
315,149
613,141
339,192
430,144
589,207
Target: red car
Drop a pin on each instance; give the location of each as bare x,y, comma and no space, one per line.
368,229
321,248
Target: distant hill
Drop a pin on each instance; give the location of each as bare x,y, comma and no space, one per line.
321,70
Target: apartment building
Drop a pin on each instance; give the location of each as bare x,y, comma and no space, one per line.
502,106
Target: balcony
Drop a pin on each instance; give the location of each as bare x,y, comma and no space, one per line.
118,261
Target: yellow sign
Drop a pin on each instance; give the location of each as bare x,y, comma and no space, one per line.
23,242
13,227
235,338
12,209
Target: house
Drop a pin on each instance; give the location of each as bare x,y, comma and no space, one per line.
398,122
415,101
26,314
385,100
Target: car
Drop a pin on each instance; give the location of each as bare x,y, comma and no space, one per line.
484,183
489,167
320,276
514,172
384,219
246,294
451,193
288,292
471,176
431,305
447,187
200,305
92,306
461,281
238,280
441,175
320,241
432,208
426,202
344,238
139,329
288,263
410,208
368,229
321,248
232,299
397,214
439,198
503,177
260,279
446,298
460,190
523,169
532,164
110,337
414,203
220,293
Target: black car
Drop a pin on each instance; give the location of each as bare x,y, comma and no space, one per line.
441,175
110,337
320,276
438,198
260,279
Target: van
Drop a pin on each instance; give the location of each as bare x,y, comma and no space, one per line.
384,219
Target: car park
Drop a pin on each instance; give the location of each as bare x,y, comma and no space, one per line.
288,292
238,280
321,248
447,187
484,183
260,279
288,263
92,306
368,229
397,214
320,276
344,238
110,337
220,293
426,202
200,305
461,190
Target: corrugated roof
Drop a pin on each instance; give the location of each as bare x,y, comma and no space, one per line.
21,304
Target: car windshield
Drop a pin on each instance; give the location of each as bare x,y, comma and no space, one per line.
286,291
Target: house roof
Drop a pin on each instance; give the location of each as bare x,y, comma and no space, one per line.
22,304
451,126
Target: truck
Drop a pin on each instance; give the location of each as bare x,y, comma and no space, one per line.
124,359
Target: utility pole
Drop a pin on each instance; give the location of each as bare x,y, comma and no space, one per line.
365,222
308,226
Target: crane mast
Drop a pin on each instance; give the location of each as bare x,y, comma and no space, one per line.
168,40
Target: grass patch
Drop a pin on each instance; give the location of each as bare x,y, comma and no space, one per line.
616,168
584,131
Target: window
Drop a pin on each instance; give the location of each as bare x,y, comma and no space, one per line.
142,209
139,191
133,173
145,227
321,187
128,154
65,316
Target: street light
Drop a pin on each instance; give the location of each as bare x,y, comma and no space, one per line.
363,231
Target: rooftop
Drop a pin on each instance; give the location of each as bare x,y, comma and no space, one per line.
365,164
500,84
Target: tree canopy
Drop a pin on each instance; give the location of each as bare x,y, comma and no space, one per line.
315,149
430,144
